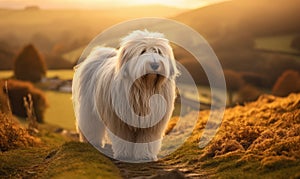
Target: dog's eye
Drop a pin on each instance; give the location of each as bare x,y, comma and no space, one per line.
159,51
143,51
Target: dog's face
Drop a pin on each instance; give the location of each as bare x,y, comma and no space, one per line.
148,57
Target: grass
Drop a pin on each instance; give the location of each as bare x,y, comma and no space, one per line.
6,74
56,157
60,111
13,135
62,74
276,43
84,159
258,140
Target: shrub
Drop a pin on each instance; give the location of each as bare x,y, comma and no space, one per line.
255,79
29,65
287,83
248,93
4,102
16,91
12,135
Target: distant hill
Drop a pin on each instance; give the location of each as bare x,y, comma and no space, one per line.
251,37
254,17
248,36
147,11
27,23
55,32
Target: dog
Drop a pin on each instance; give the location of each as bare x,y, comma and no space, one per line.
127,93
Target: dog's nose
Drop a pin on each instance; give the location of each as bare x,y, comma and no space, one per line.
154,65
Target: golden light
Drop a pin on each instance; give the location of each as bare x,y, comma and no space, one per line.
95,4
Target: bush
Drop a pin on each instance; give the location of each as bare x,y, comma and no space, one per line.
16,91
248,93
4,102
12,135
287,83
255,79
29,65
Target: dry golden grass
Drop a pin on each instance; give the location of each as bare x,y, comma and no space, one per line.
13,135
171,124
267,130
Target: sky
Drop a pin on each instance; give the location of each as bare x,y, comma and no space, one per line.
96,4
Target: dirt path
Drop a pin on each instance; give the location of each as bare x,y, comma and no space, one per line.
158,170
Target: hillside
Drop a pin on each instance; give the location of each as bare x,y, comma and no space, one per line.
258,140
253,17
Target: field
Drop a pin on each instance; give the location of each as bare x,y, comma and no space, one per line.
60,111
62,74
243,147
280,44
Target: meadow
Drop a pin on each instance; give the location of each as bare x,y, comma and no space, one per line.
60,111
242,147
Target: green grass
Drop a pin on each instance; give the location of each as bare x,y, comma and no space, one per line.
6,74
56,157
60,111
62,74
276,43
74,159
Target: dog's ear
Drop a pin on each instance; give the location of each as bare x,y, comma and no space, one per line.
172,70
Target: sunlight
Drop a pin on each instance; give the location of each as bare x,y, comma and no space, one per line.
94,4
151,2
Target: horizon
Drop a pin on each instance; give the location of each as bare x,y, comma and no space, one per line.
103,4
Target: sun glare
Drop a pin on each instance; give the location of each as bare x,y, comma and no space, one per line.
94,4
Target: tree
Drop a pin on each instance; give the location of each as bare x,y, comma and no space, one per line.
29,65
287,83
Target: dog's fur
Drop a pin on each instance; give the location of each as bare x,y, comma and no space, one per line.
117,91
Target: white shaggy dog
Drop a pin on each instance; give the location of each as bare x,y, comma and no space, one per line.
129,93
